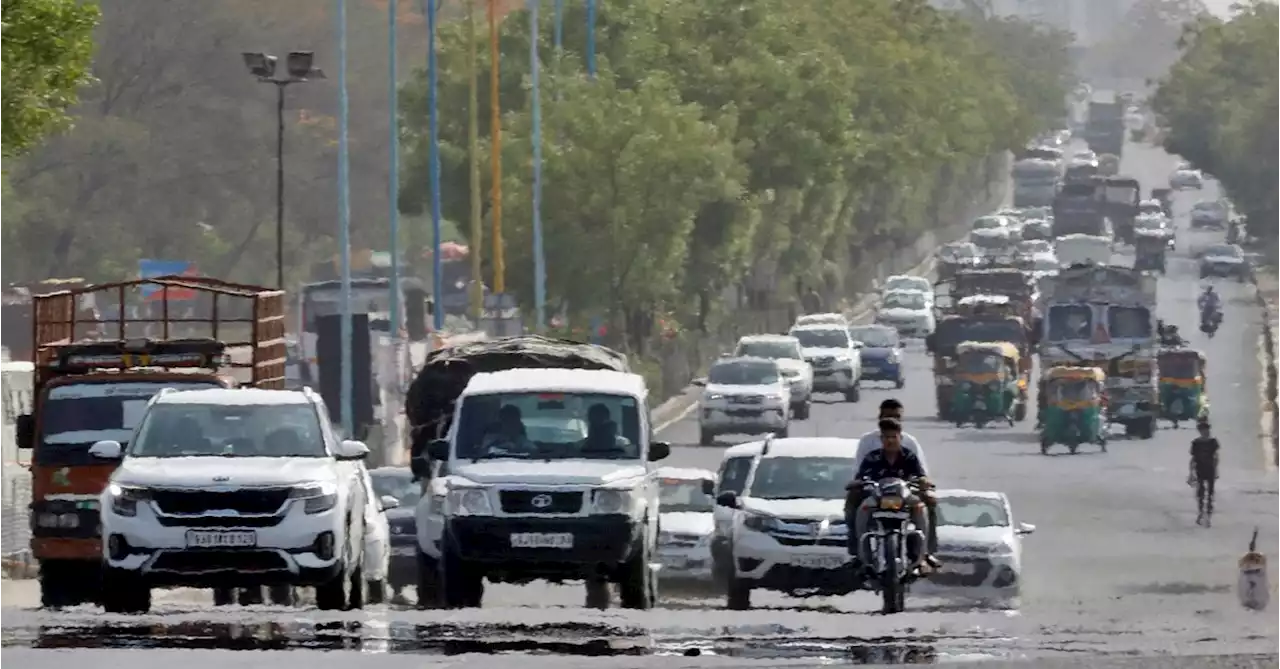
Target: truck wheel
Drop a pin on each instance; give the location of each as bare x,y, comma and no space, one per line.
706,438
249,596
333,595
124,592
801,411
461,587
428,581
853,394
739,596
375,592
224,596
56,583
598,595
635,582
281,595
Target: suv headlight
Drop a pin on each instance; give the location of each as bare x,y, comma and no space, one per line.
469,502
712,397
318,497
1000,549
124,499
759,523
611,501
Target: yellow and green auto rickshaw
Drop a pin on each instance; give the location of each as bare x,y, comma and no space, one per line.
1074,408
988,385
1182,385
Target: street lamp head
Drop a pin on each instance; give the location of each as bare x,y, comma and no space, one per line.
299,65
260,64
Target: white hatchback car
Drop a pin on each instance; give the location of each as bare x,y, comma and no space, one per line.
685,525
980,546
910,312
230,488
837,363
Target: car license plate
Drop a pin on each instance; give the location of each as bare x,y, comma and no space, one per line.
961,568
561,540
402,550
980,405
672,562
818,561
211,539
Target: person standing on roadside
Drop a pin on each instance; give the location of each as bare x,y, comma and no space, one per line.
1203,471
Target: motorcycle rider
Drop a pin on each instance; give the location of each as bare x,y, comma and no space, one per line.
1209,303
869,442
1203,471
891,460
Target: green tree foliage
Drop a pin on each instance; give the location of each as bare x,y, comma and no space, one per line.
1219,105
46,53
730,143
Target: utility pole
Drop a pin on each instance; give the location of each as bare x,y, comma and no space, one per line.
473,152
495,134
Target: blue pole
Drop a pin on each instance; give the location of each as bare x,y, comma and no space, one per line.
539,261
559,25
344,221
437,271
393,189
591,38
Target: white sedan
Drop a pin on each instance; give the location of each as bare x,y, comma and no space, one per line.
1186,177
910,312
980,547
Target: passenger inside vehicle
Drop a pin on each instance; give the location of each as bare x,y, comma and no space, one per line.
508,435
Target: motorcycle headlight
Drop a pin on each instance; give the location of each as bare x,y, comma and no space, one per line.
609,501
470,502
892,502
760,523
124,499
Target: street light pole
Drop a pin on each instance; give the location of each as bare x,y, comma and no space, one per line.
299,70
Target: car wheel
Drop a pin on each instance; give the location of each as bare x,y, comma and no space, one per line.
281,595
460,585
355,595
800,411
334,594
635,582
428,581
598,595
899,382
739,595
706,437
375,592
782,433
124,592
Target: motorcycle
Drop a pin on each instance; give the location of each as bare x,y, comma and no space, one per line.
893,542
1210,320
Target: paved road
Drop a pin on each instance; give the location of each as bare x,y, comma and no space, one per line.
1117,565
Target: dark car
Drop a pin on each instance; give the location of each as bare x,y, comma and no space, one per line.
1224,260
1212,215
398,482
881,350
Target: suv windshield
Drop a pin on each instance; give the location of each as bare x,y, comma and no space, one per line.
987,223
232,431
399,484
971,512
676,495
875,337
771,349
743,373
802,478
549,426
903,300
832,338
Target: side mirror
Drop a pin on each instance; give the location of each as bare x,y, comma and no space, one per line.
659,450
701,383
389,502
728,499
1025,528
858,345
25,430
438,449
350,449
106,450
708,487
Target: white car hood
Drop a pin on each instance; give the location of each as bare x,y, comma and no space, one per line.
574,471
825,352
903,312
700,523
724,389
214,471
982,537
796,508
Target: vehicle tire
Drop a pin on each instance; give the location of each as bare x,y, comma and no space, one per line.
706,438
355,594
282,595
224,596
428,581
375,592
124,592
890,587
1149,428
801,411
721,571
598,595
460,586
249,596
738,598
1044,446
899,382
334,594
56,585
853,394
1074,448
635,582
1020,412
783,433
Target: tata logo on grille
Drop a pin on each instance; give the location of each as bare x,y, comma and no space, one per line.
541,501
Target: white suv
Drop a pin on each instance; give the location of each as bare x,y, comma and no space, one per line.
743,396
837,363
549,476
228,488
798,373
787,530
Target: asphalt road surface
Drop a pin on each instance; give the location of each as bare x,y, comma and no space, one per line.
1117,567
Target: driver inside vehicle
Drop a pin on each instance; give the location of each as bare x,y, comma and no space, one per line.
602,431
508,436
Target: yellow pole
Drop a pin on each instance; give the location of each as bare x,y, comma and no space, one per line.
495,131
473,150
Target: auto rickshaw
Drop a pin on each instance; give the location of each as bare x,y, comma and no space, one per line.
1182,385
1149,252
1074,408
988,386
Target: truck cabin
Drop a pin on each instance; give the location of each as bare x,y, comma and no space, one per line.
951,331
1035,171
1010,282
1080,171
371,296
1122,194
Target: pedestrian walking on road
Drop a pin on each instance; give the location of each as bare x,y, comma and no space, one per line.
1203,471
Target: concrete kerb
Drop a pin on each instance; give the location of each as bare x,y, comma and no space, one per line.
1265,292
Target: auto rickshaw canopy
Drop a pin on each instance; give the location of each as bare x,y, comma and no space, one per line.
1000,348
1068,373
